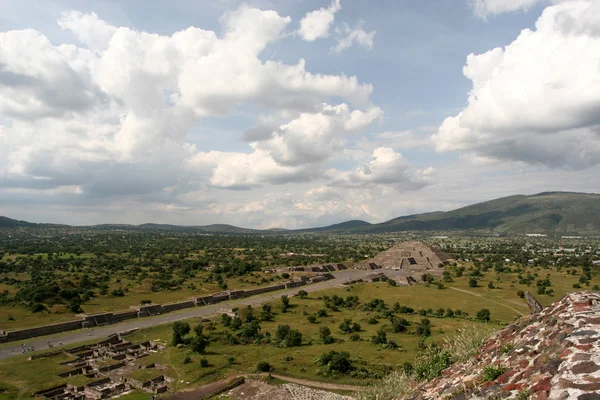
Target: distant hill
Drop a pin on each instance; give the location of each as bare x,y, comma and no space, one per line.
543,212
343,226
547,212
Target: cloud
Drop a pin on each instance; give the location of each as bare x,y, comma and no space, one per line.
112,116
316,24
485,8
347,37
386,168
291,152
538,99
404,139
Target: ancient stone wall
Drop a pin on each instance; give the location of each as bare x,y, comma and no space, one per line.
553,354
147,310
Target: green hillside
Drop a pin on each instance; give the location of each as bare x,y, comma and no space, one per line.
549,212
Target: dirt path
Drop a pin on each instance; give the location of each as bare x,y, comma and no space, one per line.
320,385
210,389
493,301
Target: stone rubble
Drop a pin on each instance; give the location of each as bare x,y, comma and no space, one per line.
550,355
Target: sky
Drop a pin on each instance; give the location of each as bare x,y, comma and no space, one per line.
292,113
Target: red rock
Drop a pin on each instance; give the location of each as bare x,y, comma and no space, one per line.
565,353
506,376
487,384
539,396
525,363
584,347
543,385
513,386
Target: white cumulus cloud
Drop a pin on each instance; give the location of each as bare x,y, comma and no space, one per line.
316,24
347,37
538,99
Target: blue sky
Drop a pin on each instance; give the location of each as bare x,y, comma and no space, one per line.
125,111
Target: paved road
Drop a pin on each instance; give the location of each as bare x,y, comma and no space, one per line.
83,335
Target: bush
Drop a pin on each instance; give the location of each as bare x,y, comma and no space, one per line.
37,307
204,363
285,275
287,337
324,332
334,362
328,340
392,282
491,285
483,315
392,387
372,321
187,359
355,337
473,282
431,362
380,337
312,319
263,366
520,293
144,302
302,294
492,372
464,345
424,328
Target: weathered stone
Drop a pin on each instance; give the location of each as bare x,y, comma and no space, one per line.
589,396
543,385
539,396
551,367
533,304
586,367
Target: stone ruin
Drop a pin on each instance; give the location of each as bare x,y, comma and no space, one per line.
108,363
406,255
551,354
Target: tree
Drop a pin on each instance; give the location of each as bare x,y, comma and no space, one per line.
324,332
198,344
483,315
302,294
424,328
334,362
180,329
380,337
225,320
285,303
287,337
236,323
263,366
473,282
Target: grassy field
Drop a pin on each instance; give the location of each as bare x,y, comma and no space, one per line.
20,377
17,317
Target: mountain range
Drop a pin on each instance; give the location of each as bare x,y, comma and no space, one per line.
543,212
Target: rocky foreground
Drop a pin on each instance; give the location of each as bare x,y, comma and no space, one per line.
553,354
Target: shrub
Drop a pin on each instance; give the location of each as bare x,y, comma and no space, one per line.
595,287
449,313
334,362
392,282
204,363
37,307
380,337
225,320
302,294
144,302
328,339
473,282
431,362
187,359
324,332
520,293
372,321
355,337
492,372
285,275
263,366
287,337
198,344
312,319
464,345
483,315
424,328
491,285
399,325
576,286
322,313
393,386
